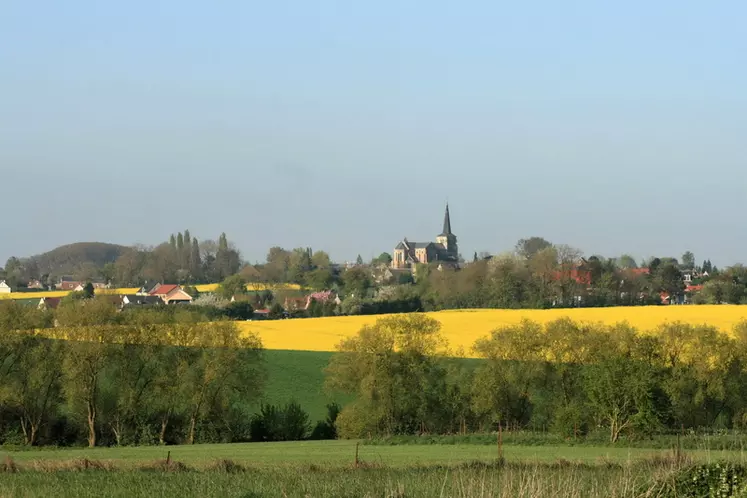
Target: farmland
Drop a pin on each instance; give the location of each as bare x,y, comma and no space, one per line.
327,468
463,327
255,287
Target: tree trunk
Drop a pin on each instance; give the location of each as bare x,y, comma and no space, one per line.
192,424
164,425
91,425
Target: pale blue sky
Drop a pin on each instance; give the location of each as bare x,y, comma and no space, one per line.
345,126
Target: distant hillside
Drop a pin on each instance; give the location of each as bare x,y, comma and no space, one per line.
73,259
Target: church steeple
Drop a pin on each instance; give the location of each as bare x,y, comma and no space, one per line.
447,222
448,240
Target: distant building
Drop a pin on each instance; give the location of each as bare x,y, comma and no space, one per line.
4,287
49,303
130,300
171,294
35,284
444,250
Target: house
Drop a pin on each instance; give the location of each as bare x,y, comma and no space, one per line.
130,300
171,294
302,303
49,303
4,287
323,297
292,304
35,284
70,285
577,274
445,250
384,274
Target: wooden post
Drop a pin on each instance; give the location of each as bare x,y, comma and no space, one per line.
356,455
500,442
168,458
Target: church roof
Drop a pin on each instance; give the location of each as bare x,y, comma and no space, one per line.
447,223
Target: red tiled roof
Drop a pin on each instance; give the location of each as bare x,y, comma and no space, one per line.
163,289
580,276
693,288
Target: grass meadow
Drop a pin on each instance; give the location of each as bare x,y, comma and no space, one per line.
328,468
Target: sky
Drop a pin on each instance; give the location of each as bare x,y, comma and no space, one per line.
614,127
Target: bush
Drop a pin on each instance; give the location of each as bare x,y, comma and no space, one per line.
325,429
722,480
239,310
289,423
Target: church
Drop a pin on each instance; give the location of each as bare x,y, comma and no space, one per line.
444,249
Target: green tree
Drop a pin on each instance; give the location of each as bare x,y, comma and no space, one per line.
356,281
83,367
88,291
527,248
299,265
383,259
229,363
320,260
389,367
319,279
232,286
620,392
195,261
688,261
626,261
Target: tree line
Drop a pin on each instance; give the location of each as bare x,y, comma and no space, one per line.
182,259
132,383
563,377
166,376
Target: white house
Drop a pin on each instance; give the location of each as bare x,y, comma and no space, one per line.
4,288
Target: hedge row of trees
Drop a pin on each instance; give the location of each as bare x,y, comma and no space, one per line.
132,383
562,377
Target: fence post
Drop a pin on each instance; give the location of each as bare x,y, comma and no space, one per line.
168,458
500,442
356,455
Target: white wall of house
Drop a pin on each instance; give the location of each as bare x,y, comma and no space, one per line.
4,288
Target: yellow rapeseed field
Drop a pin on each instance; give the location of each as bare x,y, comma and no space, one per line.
41,294
463,327
133,290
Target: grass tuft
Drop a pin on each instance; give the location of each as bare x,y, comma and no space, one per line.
165,466
8,466
226,466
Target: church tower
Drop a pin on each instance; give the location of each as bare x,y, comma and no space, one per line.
447,238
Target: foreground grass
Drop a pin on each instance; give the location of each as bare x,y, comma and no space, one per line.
328,468
465,481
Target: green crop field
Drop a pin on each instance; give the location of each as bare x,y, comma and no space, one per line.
298,376
341,453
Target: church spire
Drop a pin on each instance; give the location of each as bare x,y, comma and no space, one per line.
447,222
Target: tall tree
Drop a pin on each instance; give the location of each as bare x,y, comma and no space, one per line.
688,261
195,262
527,248
388,366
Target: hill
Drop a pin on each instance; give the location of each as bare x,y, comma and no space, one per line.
74,259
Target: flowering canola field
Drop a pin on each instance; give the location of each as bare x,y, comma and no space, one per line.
463,327
59,293
132,290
